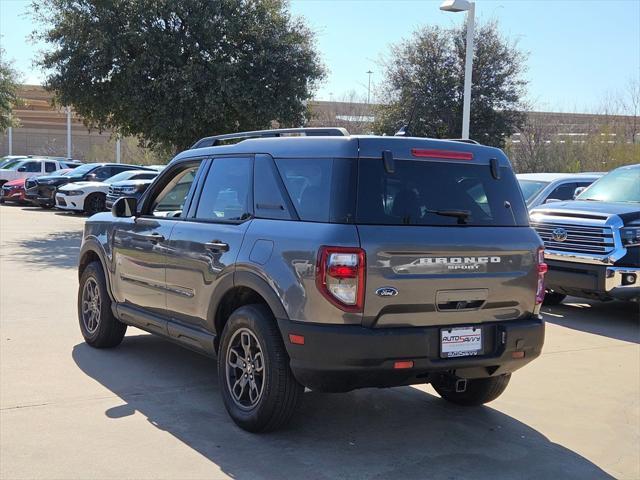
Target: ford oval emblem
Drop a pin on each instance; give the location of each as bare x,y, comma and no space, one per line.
386,292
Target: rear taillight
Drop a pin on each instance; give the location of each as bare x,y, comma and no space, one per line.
542,269
340,276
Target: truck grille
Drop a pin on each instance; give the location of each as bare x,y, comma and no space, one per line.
115,191
579,239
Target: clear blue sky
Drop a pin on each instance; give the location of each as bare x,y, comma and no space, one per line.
579,50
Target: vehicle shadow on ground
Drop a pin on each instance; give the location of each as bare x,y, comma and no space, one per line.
55,250
375,433
622,318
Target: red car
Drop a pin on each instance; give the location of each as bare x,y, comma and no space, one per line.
13,191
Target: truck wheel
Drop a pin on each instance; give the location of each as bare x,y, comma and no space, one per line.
94,203
553,298
98,325
258,388
478,392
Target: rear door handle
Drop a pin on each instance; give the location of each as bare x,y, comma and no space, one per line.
154,237
217,246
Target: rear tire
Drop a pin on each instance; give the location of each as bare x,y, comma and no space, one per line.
258,388
479,391
553,298
95,203
99,327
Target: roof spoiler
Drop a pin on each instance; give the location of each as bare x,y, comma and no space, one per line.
280,132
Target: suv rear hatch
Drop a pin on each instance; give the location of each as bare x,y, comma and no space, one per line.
446,235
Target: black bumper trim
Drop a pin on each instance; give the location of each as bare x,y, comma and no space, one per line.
339,358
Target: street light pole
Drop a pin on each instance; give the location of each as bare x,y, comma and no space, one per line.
470,8
369,72
118,149
468,69
69,132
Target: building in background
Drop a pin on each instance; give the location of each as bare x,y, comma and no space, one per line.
42,129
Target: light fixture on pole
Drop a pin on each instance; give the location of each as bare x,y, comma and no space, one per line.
470,8
369,72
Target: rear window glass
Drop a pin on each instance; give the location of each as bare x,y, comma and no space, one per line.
437,193
321,190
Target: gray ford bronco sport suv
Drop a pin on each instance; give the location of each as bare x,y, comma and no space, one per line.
313,258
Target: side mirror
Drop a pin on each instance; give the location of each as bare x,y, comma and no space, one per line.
552,200
578,191
91,177
125,207
22,169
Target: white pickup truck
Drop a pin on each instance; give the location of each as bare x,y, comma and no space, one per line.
33,167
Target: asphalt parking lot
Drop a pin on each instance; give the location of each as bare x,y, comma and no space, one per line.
150,409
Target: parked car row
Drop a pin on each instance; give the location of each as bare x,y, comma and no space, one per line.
79,187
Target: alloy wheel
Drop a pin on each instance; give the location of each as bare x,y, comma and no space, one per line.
91,304
245,370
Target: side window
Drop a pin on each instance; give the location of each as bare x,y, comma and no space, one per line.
49,167
33,167
564,191
170,201
269,198
227,189
103,173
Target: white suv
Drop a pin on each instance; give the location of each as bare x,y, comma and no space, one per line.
90,197
32,167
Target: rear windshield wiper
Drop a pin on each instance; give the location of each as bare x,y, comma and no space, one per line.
461,215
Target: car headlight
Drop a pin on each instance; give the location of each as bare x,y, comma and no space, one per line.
630,236
73,193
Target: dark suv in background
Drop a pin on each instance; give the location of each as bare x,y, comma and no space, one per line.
325,261
41,191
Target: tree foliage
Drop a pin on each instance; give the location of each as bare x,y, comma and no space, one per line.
424,76
171,72
8,93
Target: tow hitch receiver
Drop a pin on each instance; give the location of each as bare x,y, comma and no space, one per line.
461,385
452,383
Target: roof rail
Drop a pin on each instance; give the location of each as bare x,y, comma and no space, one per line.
309,132
464,140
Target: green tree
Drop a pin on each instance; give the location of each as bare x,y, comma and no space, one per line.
8,93
171,72
424,78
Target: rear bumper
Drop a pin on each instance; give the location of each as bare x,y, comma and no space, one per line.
587,280
344,357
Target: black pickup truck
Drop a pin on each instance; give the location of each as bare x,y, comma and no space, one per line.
592,244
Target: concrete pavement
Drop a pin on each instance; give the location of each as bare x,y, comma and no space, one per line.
150,409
